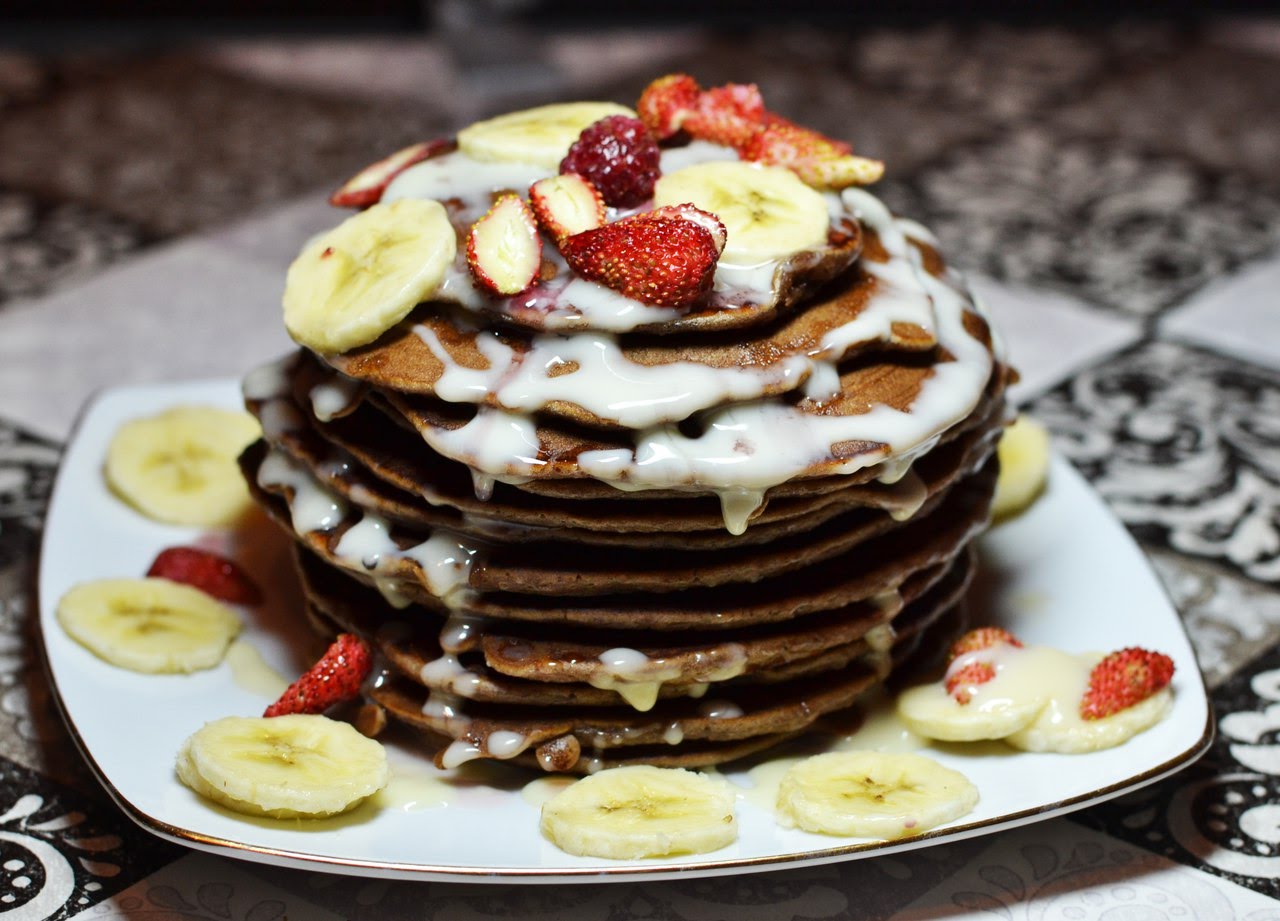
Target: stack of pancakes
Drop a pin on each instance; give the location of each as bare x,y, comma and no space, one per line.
675,542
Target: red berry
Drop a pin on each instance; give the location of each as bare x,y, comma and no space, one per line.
504,251
212,574
728,115
667,102
982,638
619,157
962,679
667,261
1124,678
365,188
335,678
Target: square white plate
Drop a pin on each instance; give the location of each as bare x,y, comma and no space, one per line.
1064,574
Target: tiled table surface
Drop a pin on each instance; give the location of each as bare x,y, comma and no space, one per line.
1114,191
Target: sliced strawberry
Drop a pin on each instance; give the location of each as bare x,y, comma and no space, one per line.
666,102
619,157
730,115
335,678
504,251
1124,678
705,219
365,188
567,204
212,574
964,678
982,638
667,261
817,159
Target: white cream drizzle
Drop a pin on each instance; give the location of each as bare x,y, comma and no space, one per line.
334,397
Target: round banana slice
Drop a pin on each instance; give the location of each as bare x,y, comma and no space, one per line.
179,467
930,711
148,625
295,766
867,794
350,285
1059,727
1024,467
641,811
767,211
540,136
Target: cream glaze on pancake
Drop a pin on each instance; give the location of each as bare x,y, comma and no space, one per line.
505,662
872,568
633,381
388,468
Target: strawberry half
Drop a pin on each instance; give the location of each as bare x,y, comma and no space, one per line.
982,638
365,188
1124,678
730,115
504,251
666,102
566,204
962,679
666,261
817,159
212,574
705,219
335,678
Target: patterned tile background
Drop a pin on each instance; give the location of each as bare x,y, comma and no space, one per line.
1114,187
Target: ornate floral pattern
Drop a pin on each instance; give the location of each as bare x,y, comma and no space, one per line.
1184,446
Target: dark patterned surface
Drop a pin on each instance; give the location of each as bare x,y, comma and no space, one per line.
1126,166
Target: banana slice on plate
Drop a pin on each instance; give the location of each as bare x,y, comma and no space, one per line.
351,284
991,713
767,211
179,467
148,625
296,766
1024,467
868,794
540,136
641,811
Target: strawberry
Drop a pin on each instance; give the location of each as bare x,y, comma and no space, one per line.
981,638
212,574
705,219
814,157
666,102
365,188
566,204
1124,678
667,261
730,115
619,157
335,678
504,251
962,679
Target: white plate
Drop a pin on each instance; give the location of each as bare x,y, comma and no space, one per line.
1065,574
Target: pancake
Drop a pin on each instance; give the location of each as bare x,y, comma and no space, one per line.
580,529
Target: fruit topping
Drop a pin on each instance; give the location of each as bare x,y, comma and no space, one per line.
817,159
212,574
335,678
365,188
350,285
504,251
961,681
730,115
1123,679
566,204
871,794
666,261
292,767
539,137
148,625
179,466
1024,467
982,638
713,224
619,156
667,102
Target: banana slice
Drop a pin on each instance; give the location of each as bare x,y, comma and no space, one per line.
867,794
768,212
641,811
285,767
350,285
1024,467
540,136
148,625
991,713
179,467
